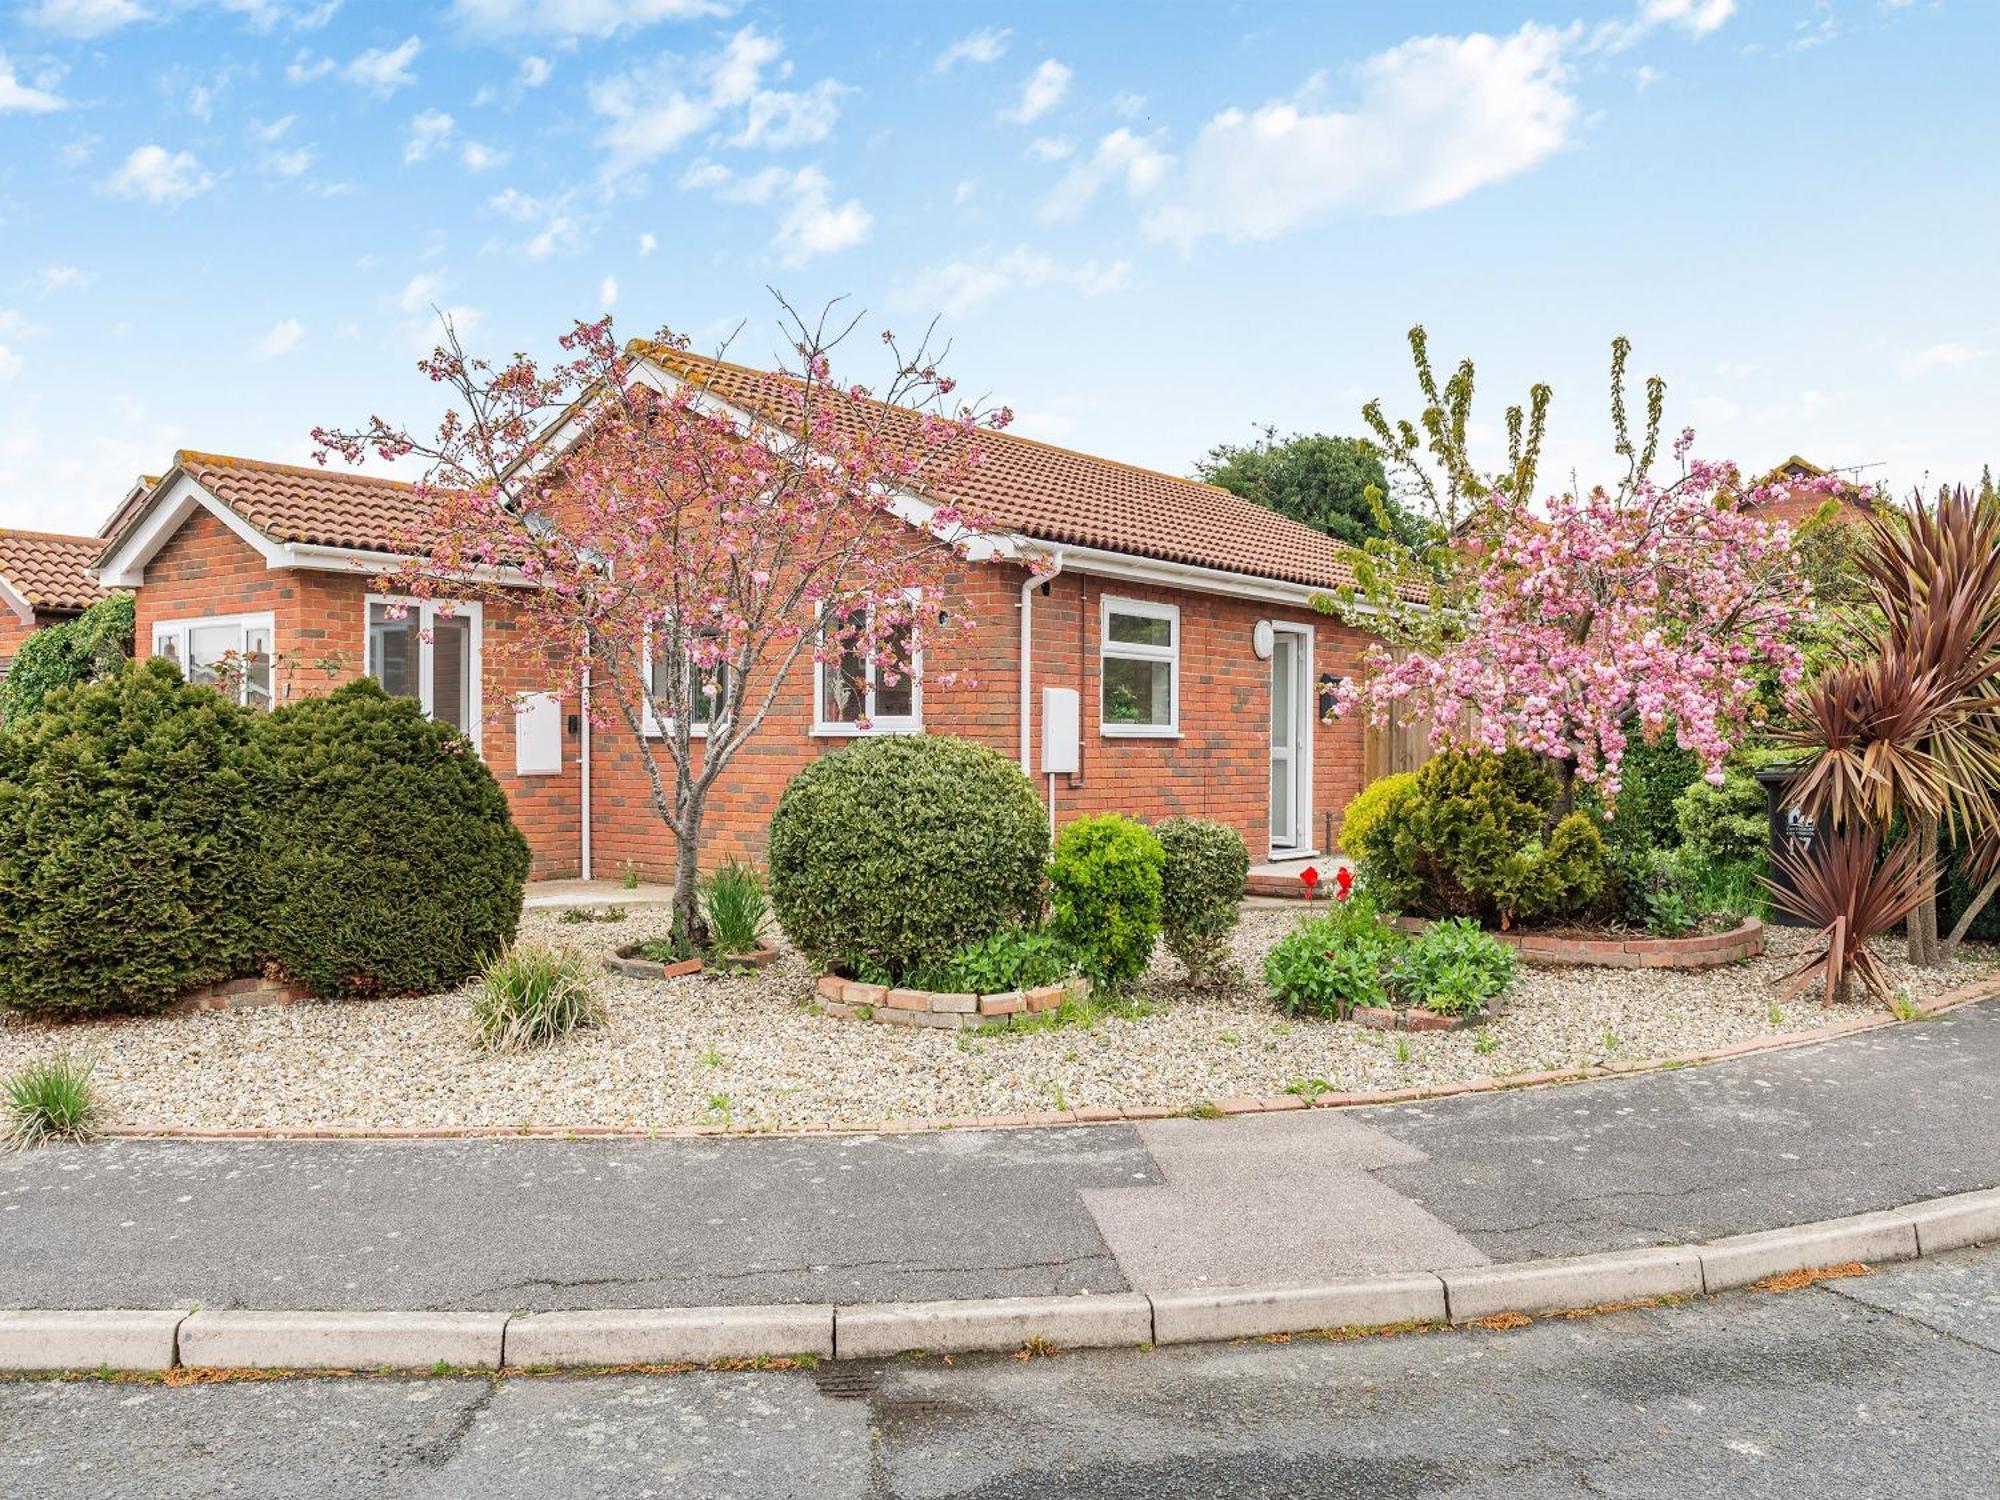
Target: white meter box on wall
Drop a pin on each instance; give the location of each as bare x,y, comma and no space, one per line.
1062,731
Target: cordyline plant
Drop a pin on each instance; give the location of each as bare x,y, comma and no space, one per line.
1906,726
686,553
1844,887
1573,625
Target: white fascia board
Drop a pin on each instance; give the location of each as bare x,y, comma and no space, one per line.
13,600
176,500
1130,568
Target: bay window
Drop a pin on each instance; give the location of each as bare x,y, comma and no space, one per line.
1140,646
430,652
231,653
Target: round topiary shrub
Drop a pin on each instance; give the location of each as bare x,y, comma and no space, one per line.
387,861
1105,886
1373,800
124,842
1201,892
899,851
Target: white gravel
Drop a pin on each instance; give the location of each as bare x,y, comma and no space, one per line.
710,1050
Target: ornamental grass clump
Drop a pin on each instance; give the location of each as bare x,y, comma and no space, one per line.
52,1100
531,995
734,902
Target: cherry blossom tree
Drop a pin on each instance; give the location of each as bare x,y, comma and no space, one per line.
686,551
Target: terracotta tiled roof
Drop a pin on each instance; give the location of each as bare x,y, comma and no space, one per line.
1057,495
292,503
49,570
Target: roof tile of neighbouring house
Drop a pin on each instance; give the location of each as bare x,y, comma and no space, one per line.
50,570
1057,495
291,503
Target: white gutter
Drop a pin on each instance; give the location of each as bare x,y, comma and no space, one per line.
1027,658
583,767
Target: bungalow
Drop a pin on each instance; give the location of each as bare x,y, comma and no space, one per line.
45,578
1171,661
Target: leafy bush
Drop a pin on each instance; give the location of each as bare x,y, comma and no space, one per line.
1728,824
1329,964
1105,886
1012,960
1373,800
1455,968
387,862
1651,779
51,1100
899,851
733,901
95,644
124,841
532,995
1466,839
1201,892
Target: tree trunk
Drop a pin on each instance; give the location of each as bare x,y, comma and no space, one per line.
1565,769
1970,915
1921,926
689,923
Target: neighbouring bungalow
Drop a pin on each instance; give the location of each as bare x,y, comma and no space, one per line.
1171,663
45,578
1851,502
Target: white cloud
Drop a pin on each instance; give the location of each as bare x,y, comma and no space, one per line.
1127,105
292,161
1051,147
1948,356
1645,76
285,336
65,279
429,132
1041,92
156,175
574,18
1439,117
607,293
810,223
647,245
478,158
985,46
1120,154
535,72
305,68
17,97
84,19
514,204
1697,18
775,119
560,235
419,302
962,194
385,69
959,286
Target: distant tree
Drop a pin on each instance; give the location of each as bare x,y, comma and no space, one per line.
1333,484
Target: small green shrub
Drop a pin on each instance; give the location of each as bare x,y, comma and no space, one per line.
1012,960
1201,892
1329,964
1728,824
1455,968
1651,780
1373,800
52,1100
125,835
1554,879
1105,886
93,645
1670,891
531,995
733,901
388,862
898,851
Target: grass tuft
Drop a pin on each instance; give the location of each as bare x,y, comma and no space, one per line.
532,995
52,1100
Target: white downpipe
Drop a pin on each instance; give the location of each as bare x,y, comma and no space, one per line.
1027,661
583,764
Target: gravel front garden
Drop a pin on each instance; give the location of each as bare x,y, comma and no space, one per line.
751,1051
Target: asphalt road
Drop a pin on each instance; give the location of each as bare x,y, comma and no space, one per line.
1871,1388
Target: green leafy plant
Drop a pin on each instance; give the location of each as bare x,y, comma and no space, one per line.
734,902
579,914
1105,885
900,850
93,645
1330,964
387,860
52,1099
1013,960
531,995
1369,804
1728,824
1201,893
1455,968
629,876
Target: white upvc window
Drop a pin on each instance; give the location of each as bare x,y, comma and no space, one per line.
1140,646
855,688
706,690
428,650
231,653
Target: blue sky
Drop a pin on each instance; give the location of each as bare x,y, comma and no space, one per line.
1145,226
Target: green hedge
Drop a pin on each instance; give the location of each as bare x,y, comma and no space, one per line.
1106,882
387,861
898,852
125,831
93,645
1201,892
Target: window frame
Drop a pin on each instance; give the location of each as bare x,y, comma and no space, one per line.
1109,650
427,611
264,620
910,723
651,725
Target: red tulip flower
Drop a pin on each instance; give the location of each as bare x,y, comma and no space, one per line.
1310,875
1343,884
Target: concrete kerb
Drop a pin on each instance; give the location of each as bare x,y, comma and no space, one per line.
147,1340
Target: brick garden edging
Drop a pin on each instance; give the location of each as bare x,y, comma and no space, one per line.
629,963
252,993
1708,950
851,1000
1246,1104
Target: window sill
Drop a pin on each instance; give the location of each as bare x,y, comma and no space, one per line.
1138,732
856,732
656,732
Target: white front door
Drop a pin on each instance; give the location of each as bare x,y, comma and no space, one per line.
1291,739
